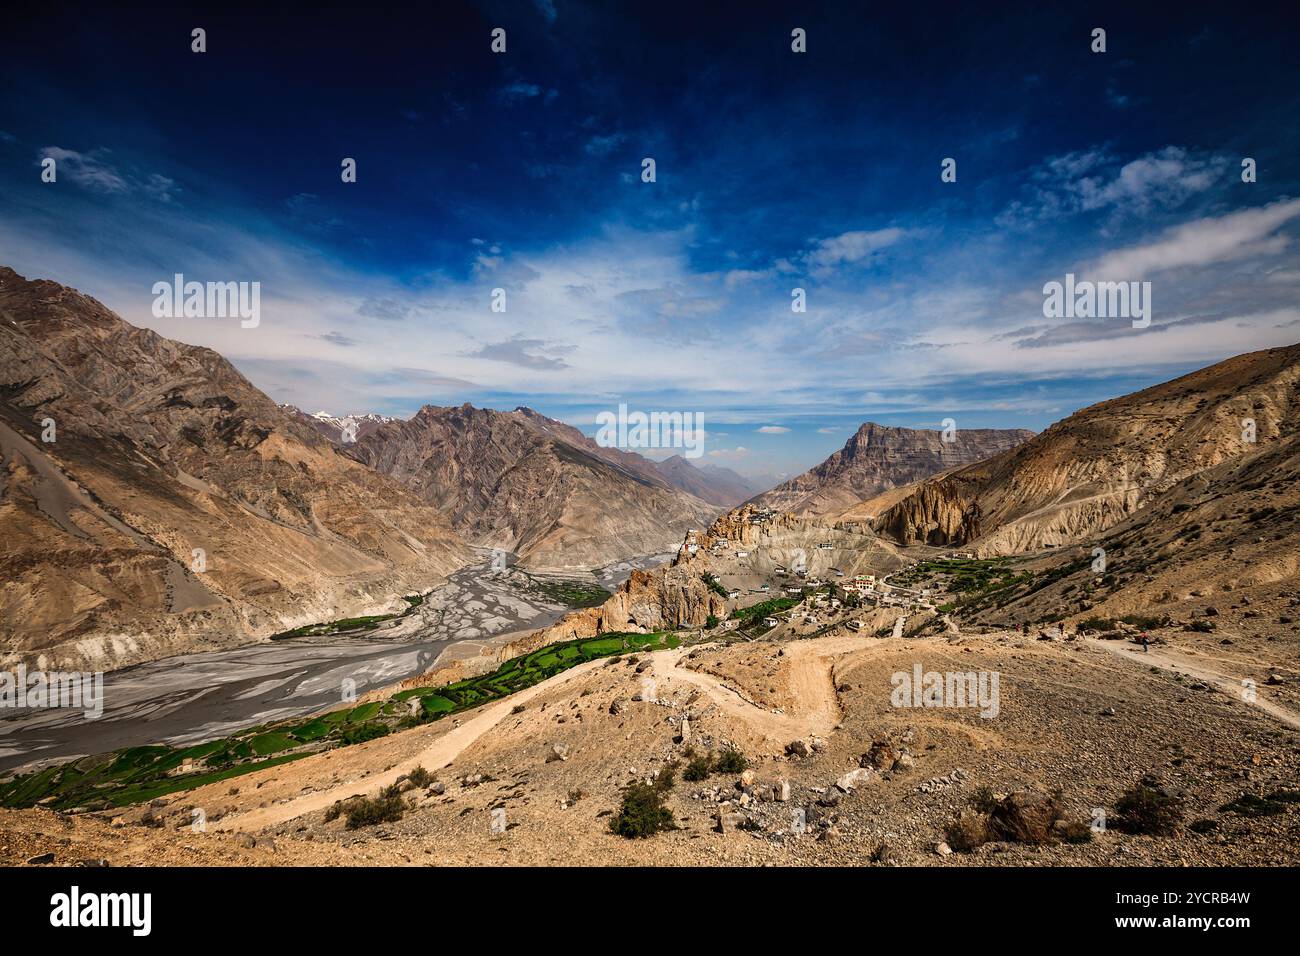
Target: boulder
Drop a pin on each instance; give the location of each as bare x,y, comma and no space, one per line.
880,756
856,778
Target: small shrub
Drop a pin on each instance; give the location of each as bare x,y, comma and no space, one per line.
730,760
1097,624
1147,808
643,813
698,769
1074,831
666,779
1249,805
420,777
387,807
1204,826
983,800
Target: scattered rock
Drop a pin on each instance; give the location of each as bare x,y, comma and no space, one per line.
856,778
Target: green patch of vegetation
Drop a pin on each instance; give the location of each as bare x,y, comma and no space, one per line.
570,592
1145,623
387,807
643,813
698,767
144,773
273,743
1096,624
365,623
756,612
714,584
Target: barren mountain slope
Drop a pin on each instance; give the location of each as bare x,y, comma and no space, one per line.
718,486
519,481
878,458
1218,553
1103,463
162,450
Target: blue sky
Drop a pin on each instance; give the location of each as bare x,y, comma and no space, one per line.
775,170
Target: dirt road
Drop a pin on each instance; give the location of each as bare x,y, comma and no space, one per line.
433,758
1169,660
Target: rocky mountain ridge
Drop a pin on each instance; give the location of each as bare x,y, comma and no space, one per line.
531,485
878,458
154,502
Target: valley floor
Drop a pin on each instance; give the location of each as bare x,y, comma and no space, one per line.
195,697
1086,718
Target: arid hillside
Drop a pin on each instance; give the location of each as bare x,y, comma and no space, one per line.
537,487
175,507
1105,463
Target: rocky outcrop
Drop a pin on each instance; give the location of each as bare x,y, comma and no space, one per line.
539,488
154,502
878,458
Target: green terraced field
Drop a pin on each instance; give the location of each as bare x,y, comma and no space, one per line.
138,774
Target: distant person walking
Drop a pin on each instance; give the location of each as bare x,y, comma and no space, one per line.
1145,642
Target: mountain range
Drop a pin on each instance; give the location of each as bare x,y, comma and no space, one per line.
878,458
531,485
153,501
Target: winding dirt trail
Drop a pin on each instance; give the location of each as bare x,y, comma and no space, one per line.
811,683
435,757
1171,661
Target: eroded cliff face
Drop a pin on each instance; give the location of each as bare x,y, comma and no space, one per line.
939,512
1105,463
520,481
878,458
175,507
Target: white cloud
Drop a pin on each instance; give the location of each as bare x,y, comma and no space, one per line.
1212,240
773,430
849,247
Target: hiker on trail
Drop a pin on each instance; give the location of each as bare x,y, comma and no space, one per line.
1144,643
